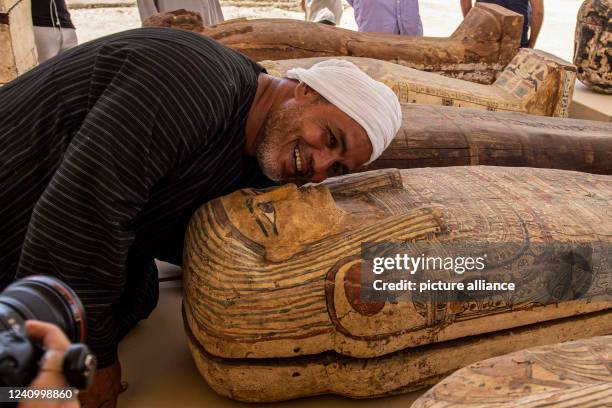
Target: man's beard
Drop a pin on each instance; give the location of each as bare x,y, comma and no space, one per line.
281,125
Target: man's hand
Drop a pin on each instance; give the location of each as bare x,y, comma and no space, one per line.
50,337
105,388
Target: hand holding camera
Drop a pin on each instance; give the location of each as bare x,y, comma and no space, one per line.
50,374
42,327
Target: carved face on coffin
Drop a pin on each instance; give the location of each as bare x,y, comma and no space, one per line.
284,220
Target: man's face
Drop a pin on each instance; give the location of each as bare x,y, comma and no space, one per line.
308,139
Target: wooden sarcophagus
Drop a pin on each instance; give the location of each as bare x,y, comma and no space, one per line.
593,45
440,136
533,82
571,374
278,301
485,42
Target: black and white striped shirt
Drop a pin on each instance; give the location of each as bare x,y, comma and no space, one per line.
105,152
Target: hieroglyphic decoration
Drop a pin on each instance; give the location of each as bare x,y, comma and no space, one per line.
277,379
17,48
534,82
441,136
259,265
484,43
577,373
593,45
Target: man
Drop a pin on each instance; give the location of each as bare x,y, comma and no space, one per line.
532,11
323,11
53,28
388,16
108,149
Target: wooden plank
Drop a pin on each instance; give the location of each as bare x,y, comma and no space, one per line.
17,45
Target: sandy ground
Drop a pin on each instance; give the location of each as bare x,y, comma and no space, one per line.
440,18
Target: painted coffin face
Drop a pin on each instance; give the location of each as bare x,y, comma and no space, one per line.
285,219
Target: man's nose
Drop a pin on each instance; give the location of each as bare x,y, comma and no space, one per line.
322,160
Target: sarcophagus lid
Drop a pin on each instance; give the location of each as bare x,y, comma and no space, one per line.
485,42
534,82
275,279
593,45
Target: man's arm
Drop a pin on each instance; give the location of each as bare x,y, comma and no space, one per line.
466,6
303,5
537,16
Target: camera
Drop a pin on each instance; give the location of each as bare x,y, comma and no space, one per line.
50,300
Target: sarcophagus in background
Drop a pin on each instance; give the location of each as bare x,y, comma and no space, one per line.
593,45
439,136
534,82
275,280
575,373
17,48
484,43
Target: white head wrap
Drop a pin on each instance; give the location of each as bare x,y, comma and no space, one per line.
370,103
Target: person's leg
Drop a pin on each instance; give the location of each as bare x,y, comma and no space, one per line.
69,39
48,42
323,11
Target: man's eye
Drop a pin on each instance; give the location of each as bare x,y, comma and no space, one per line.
332,140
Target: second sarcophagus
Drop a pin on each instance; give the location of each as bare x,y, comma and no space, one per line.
534,82
571,374
274,280
439,136
484,43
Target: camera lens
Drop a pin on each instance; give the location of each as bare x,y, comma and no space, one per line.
43,298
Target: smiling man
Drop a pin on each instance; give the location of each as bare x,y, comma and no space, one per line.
108,149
